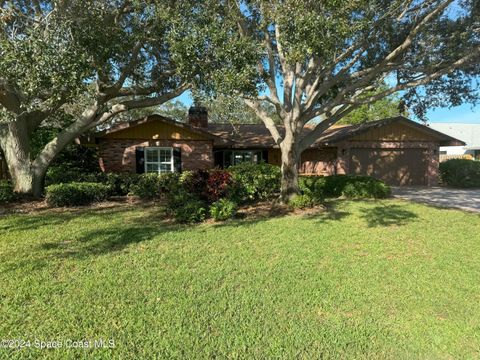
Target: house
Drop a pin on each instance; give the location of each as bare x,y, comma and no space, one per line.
468,133
396,150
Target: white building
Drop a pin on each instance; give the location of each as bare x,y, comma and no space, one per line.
468,133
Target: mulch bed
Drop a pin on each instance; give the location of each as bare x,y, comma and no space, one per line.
252,211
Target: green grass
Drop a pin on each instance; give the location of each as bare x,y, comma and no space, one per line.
374,279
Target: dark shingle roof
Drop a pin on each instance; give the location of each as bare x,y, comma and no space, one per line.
258,136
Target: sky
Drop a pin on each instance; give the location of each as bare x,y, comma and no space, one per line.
460,114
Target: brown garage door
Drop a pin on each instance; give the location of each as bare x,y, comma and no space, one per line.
395,167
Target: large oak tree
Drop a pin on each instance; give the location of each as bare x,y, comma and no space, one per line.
320,60
94,59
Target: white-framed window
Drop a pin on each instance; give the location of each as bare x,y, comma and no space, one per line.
159,160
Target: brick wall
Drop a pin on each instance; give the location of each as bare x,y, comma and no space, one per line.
118,155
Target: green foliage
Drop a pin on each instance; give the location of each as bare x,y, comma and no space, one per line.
223,209
366,188
151,186
313,187
76,193
223,109
118,184
350,186
303,201
460,173
174,109
381,109
74,163
185,207
6,191
255,181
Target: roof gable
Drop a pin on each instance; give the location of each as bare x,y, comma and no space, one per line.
397,128
157,127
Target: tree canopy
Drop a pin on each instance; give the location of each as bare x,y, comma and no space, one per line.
323,59
82,63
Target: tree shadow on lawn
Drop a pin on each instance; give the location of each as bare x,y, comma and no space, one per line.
388,215
61,216
152,223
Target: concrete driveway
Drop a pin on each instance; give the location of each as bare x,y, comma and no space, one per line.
439,196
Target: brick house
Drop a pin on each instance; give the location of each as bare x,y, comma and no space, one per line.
396,150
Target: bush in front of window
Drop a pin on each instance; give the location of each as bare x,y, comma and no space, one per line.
6,191
255,181
208,185
460,173
153,185
76,193
223,209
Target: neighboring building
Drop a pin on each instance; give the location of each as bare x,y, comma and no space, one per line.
396,150
468,133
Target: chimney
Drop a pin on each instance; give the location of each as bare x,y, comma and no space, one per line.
198,116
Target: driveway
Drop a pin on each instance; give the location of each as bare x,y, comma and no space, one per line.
439,196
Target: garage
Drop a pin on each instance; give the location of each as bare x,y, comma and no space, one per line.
394,166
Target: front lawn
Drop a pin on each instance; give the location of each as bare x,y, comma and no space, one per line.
366,279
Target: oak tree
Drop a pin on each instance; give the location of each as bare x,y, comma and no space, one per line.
321,60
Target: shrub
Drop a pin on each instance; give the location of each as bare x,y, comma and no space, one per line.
150,186
350,186
223,209
76,193
186,208
313,186
118,184
255,181
460,173
366,188
303,201
6,191
209,186
168,182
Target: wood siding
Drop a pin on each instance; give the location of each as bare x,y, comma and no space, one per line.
394,166
394,132
318,161
313,161
155,130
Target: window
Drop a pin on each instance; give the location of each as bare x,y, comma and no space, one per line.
240,156
158,160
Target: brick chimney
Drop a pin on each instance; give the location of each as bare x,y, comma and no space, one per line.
198,116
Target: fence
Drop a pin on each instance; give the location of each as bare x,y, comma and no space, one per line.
445,157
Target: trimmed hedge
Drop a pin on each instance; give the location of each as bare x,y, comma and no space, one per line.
76,193
460,173
6,191
350,186
151,186
255,181
119,184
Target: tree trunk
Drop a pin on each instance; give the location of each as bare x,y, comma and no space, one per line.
290,162
15,142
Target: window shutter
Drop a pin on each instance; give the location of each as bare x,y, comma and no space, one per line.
177,159
265,156
140,159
